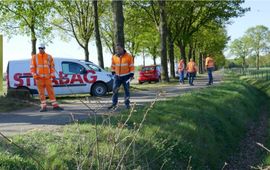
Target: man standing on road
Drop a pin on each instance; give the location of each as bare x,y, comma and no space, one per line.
209,65
42,69
191,71
181,70
123,71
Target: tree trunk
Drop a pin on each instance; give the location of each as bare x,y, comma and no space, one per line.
163,40
190,52
258,61
194,54
183,51
143,58
113,48
117,8
200,63
154,59
86,51
171,54
33,41
97,35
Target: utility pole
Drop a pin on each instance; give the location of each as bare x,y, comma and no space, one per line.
1,63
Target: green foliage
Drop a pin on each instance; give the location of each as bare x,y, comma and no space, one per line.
240,48
10,162
211,39
258,38
141,37
106,27
30,18
76,19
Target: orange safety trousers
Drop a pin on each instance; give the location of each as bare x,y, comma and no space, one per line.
43,84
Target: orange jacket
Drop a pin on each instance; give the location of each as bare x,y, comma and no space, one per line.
123,65
42,66
191,67
181,65
209,62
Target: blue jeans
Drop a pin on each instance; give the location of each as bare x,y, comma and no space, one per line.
191,78
116,86
181,77
210,76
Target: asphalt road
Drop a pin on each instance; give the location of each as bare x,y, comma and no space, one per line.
29,119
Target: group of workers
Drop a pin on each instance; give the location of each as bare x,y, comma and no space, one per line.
191,70
42,69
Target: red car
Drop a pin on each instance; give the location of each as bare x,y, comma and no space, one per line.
149,73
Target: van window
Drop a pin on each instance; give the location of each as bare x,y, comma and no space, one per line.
72,68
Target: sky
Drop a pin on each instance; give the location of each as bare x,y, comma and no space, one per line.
19,47
259,14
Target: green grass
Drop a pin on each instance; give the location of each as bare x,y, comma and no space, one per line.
151,86
4,91
206,125
264,86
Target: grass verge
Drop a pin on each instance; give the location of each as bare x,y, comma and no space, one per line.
199,129
264,86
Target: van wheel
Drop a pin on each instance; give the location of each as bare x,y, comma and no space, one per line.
99,89
140,82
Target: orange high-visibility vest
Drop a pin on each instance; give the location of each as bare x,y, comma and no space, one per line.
191,67
209,62
181,65
42,66
122,65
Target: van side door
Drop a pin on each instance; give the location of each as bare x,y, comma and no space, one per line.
71,79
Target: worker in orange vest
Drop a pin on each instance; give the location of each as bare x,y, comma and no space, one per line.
181,70
191,71
42,69
209,65
123,71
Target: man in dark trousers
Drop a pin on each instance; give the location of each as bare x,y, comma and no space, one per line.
123,71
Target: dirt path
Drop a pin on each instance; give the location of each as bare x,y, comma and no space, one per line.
21,121
249,153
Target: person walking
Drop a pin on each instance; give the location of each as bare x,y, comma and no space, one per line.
123,71
181,71
42,69
209,65
191,71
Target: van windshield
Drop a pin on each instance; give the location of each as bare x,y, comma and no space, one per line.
93,67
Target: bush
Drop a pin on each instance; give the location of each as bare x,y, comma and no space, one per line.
10,162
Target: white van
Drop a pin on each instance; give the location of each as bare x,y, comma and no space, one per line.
72,77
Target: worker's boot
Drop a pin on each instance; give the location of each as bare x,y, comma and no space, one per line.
43,109
113,106
58,108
